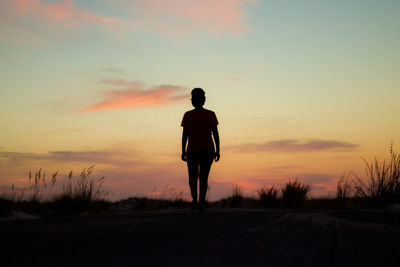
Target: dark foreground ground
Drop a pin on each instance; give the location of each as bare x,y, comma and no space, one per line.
216,238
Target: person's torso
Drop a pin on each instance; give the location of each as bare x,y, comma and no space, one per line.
199,125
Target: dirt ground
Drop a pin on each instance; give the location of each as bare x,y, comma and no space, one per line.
220,237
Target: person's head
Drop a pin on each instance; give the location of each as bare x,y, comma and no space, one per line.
198,97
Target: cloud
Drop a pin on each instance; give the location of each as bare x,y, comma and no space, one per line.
136,96
106,157
61,11
177,16
294,145
318,178
159,16
65,130
111,69
36,22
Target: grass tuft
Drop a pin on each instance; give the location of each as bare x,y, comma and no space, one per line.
382,182
295,193
268,196
236,198
343,187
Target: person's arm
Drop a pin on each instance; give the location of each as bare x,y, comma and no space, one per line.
184,141
216,141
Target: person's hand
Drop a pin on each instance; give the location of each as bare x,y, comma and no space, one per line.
183,156
217,156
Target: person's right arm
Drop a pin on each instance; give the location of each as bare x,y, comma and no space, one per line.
184,141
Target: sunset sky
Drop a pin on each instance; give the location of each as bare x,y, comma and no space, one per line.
300,88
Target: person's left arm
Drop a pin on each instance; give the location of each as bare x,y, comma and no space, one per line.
216,141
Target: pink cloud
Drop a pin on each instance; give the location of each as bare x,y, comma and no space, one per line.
160,16
179,16
135,96
294,145
62,11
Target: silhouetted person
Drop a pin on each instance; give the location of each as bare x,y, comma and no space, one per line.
199,126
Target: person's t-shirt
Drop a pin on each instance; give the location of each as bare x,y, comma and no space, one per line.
198,124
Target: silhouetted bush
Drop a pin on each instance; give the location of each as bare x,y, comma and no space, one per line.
382,184
236,197
268,196
294,194
343,187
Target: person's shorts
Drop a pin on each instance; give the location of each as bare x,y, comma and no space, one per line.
201,156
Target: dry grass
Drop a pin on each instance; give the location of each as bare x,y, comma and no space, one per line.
268,196
380,185
382,180
295,193
78,194
236,198
83,188
343,187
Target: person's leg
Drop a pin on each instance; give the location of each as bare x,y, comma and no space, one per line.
205,166
193,170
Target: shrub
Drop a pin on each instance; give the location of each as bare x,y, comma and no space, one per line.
294,194
268,196
343,187
382,182
236,197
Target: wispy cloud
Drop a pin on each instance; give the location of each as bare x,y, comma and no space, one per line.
38,21
135,95
182,16
111,69
294,145
318,178
57,12
65,130
158,16
107,157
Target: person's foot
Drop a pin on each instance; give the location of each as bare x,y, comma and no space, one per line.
201,210
194,205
